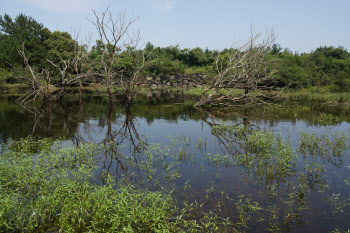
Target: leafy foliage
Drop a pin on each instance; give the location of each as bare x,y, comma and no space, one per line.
327,66
23,29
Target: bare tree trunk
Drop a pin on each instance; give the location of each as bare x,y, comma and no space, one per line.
246,91
39,81
118,42
246,68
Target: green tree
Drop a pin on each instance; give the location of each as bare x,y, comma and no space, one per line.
59,50
23,29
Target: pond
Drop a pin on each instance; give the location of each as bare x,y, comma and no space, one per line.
284,167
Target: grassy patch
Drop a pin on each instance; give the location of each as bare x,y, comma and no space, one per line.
312,96
12,88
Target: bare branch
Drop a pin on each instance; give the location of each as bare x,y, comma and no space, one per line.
246,69
119,43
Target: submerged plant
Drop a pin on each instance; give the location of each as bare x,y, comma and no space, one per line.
328,119
338,203
219,160
328,147
269,157
46,187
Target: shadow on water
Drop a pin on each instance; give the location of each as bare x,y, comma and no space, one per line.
275,168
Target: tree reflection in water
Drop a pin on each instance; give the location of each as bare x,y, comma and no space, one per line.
251,157
115,142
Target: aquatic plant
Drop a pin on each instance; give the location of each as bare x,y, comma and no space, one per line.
45,186
329,147
52,190
267,156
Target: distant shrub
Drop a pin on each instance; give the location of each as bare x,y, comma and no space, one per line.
6,76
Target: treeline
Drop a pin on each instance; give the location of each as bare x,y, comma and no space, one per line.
325,67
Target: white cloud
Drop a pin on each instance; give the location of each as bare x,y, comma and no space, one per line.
64,5
163,5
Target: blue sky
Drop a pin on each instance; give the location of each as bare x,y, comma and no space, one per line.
301,25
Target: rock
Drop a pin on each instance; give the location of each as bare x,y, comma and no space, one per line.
149,78
168,83
158,78
154,85
185,82
191,84
198,85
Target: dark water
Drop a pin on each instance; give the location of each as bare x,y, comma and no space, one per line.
164,143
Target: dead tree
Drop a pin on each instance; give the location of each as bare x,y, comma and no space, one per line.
129,77
244,74
113,33
117,43
73,67
38,79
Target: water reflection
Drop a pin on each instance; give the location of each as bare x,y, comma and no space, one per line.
118,138
62,120
215,158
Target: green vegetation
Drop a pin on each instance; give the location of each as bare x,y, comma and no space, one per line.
316,94
124,183
325,70
45,186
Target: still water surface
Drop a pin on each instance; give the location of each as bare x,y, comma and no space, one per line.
164,143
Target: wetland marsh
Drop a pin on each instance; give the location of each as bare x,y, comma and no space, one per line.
164,166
